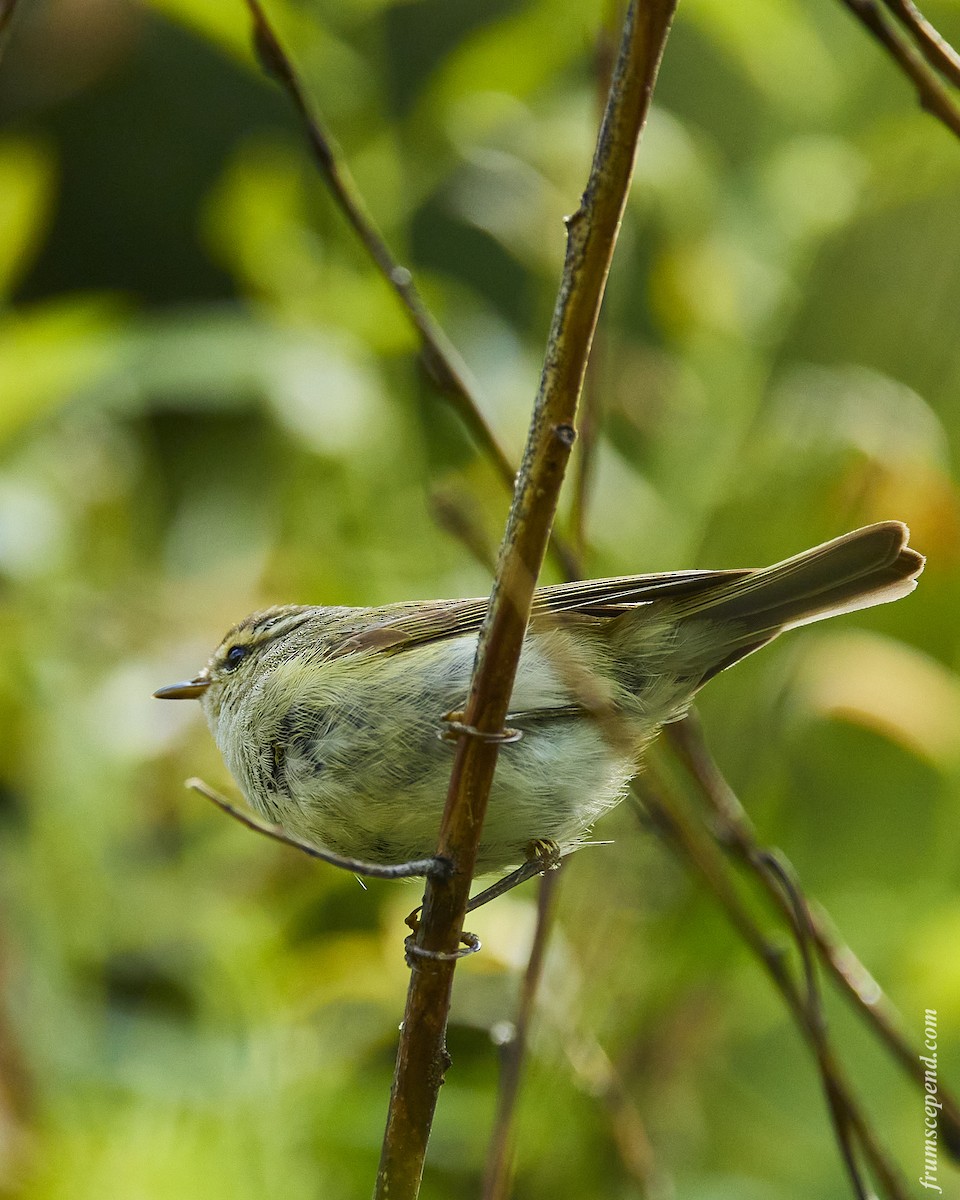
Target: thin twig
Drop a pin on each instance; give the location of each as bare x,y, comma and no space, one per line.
19,1094
591,237
736,834
598,1075
440,357
496,1182
933,96
782,876
416,868
589,424
498,1170
407,870
443,362
929,41
454,516
698,850
586,457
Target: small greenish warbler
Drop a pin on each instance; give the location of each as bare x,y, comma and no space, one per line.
328,717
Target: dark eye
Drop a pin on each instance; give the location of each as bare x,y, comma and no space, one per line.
235,656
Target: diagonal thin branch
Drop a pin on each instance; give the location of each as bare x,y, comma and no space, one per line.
736,834
585,460
933,96
413,869
929,41
497,1174
454,514
781,875
591,237
600,1078
440,357
688,837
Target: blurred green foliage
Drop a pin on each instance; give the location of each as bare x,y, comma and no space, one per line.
209,402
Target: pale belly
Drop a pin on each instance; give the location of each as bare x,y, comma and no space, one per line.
356,766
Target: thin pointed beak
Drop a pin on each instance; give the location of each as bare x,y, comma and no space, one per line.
193,689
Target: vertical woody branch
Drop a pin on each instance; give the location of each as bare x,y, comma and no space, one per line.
591,238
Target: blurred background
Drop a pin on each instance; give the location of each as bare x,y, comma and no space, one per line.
209,402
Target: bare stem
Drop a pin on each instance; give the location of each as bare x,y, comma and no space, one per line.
585,459
496,1182
600,1078
439,356
781,874
689,838
407,870
736,834
591,237
930,42
455,516
933,96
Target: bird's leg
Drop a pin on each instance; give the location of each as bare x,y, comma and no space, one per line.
453,727
543,854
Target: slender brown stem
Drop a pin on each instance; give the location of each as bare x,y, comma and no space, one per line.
930,42
586,457
600,1077
407,870
591,237
454,516
19,1094
933,96
736,834
7,9
498,1171
689,838
440,357
781,874
589,431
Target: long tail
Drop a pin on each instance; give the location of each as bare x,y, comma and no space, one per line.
869,566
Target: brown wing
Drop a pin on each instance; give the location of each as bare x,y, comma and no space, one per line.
865,567
404,625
